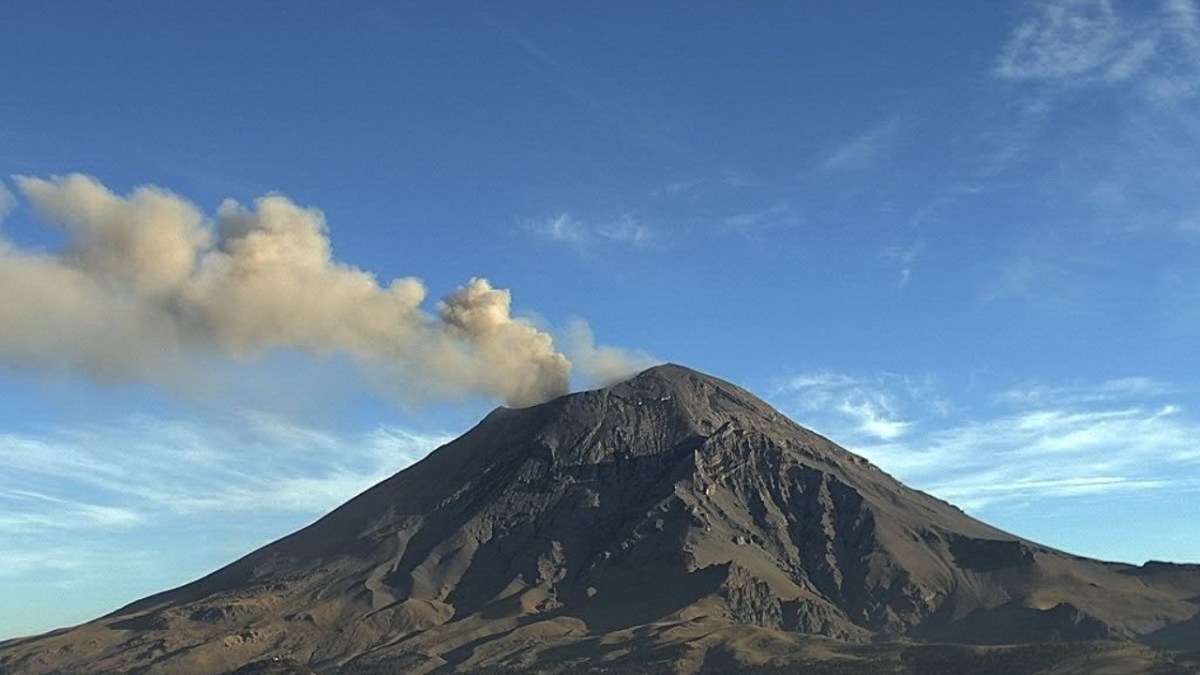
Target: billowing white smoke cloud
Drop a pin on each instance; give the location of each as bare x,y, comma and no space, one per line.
146,282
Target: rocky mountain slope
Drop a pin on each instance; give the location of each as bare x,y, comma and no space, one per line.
672,517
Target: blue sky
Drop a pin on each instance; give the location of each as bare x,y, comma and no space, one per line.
959,238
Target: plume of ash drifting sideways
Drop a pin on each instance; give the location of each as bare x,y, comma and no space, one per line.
147,282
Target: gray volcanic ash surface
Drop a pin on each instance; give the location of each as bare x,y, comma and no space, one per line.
673,520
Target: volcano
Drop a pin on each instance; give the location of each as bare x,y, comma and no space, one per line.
673,521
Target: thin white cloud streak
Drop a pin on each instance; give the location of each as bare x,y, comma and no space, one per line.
678,188
15,563
567,229
754,224
864,150
1188,223
820,381
576,85
560,228
628,230
65,515
1048,441
1045,278
973,494
1035,394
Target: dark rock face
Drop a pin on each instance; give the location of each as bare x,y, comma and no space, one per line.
604,520
274,666
989,555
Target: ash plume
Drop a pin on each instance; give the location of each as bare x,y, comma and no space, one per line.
146,282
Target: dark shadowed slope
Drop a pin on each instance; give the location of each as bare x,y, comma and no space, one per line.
669,514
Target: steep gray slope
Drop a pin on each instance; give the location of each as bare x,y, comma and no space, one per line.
674,498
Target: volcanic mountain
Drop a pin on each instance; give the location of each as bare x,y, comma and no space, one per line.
672,519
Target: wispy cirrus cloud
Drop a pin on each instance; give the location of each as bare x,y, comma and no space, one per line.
144,470
875,418
561,228
1124,388
1034,442
1036,278
905,258
1072,39
1188,223
626,229
57,559
865,149
600,99
1106,43
869,408
1049,453
981,490
86,504
754,224
1132,69
565,228
27,511
678,188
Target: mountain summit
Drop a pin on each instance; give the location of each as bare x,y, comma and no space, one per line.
673,515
